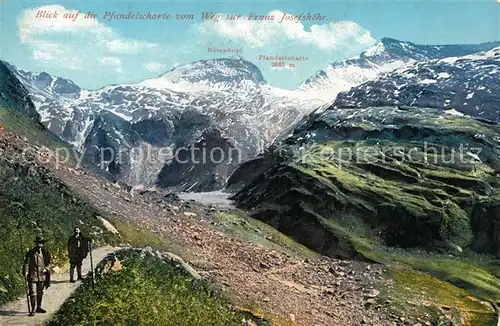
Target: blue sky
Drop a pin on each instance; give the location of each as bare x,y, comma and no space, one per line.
97,52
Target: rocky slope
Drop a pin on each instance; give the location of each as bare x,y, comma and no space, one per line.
267,274
388,54
137,132
191,301
137,128
260,276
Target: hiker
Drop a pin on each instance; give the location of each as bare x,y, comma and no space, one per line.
36,271
78,249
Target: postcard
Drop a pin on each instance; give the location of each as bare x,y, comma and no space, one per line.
259,162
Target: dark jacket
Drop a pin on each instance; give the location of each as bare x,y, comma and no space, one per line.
33,269
78,248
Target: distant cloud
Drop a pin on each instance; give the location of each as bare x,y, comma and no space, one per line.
129,46
98,53
155,66
31,26
50,51
256,34
42,56
112,62
79,39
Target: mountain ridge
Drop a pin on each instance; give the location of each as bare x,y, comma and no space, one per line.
14,95
466,84
230,95
388,54
386,168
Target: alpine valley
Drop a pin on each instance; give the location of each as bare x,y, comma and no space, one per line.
386,164
410,158
134,130
402,169
224,103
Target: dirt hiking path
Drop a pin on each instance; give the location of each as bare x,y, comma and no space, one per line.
283,286
16,312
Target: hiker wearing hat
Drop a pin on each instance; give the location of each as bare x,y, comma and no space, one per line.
78,249
36,270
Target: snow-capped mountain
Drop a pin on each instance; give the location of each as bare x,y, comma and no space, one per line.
226,98
387,55
136,129
467,85
223,74
390,156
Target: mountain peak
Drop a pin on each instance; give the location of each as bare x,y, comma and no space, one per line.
48,85
467,84
396,49
389,40
386,55
222,73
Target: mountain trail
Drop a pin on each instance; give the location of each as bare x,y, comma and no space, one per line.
288,288
16,312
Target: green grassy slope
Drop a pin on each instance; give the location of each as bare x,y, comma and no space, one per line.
31,203
382,184
23,126
404,178
141,288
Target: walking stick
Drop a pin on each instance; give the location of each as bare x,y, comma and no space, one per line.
26,287
91,262
27,294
